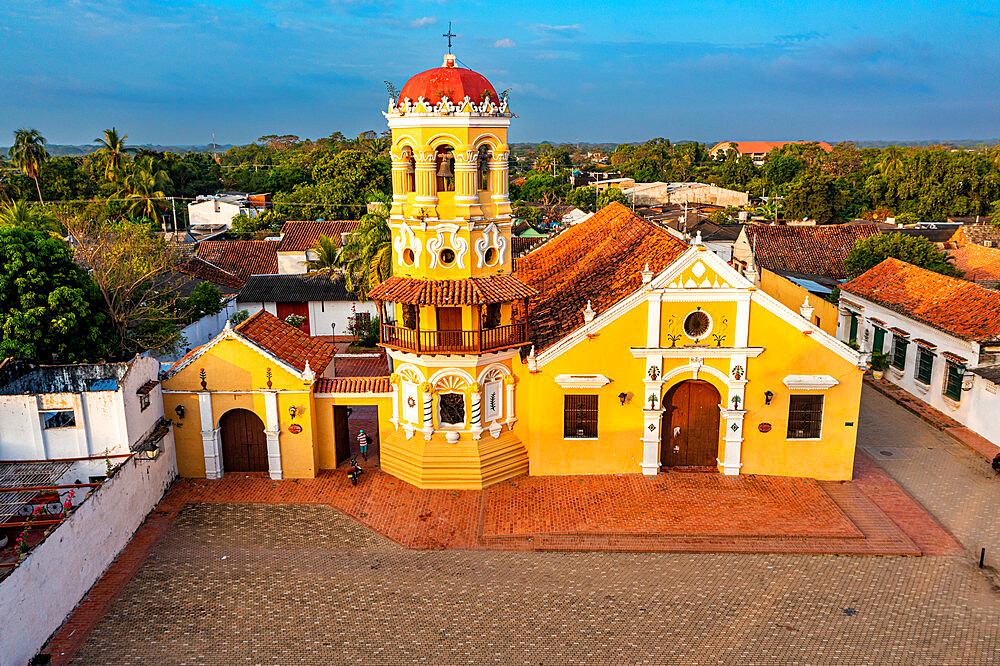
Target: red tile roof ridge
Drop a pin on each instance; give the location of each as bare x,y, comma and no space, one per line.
963,309
286,342
599,260
299,236
466,291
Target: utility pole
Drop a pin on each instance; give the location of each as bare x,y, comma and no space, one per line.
173,202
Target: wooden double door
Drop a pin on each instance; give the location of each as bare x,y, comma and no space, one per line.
244,445
690,425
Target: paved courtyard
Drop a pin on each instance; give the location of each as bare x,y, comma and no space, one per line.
282,583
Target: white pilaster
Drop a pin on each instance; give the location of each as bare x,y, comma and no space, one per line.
741,335
476,420
734,440
510,406
395,405
272,431
209,437
653,321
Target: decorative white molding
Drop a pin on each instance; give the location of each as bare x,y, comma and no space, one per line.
588,313
499,243
458,244
696,350
582,381
809,382
407,240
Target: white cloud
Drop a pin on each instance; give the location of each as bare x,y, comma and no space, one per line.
422,21
505,43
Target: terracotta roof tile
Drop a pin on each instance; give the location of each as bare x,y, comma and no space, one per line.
471,291
300,236
352,385
203,270
977,263
242,258
286,342
600,260
812,250
960,308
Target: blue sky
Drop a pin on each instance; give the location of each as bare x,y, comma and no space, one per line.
174,72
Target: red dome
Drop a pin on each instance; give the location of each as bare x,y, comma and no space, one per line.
451,82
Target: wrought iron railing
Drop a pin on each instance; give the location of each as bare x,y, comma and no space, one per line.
454,342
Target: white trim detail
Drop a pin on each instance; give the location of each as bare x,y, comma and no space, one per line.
582,381
499,243
272,431
407,240
455,242
232,333
209,437
809,382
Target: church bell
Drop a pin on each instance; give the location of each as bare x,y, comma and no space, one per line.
444,169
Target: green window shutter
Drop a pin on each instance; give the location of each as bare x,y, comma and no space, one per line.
854,328
953,382
925,365
899,352
879,342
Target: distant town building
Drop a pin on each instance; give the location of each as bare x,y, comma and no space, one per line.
218,210
758,150
657,193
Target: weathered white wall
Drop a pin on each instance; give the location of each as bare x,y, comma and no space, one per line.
203,212
976,410
39,594
292,263
106,421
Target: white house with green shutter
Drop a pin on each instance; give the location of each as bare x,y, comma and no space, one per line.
941,336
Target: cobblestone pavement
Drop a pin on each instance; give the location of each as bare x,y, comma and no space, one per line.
304,584
955,484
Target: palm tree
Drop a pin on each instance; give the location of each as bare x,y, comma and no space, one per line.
143,188
28,153
327,253
27,216
113,150
367,257
892,161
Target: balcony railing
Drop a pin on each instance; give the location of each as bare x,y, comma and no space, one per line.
454,342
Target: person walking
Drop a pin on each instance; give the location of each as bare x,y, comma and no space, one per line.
363,443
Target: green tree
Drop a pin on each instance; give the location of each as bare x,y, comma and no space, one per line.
28,153
246,227
545,187
530,214
342,182
112,152
367,257
584,198
327,251
27,216
142,188
916,250
610,195
49,308
204,300
815,196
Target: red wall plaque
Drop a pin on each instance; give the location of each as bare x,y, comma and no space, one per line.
295,428
764,427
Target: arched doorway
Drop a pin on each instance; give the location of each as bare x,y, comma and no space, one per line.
690,425
244,447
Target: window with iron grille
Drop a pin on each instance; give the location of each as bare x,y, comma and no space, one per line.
805,416
925,365
492,316
409,316
953,381
899,351
580,416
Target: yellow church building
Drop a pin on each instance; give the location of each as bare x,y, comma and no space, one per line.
612,348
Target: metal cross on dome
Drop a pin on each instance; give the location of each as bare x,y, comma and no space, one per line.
449,35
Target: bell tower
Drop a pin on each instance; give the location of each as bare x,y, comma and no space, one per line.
456,311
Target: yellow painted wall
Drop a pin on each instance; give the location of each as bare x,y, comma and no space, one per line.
323,411
791,352
792,295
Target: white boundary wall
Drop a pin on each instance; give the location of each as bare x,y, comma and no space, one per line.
40,593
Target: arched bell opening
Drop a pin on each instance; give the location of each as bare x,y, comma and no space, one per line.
444,164
483,156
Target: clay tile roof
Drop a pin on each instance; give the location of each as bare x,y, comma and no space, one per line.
977,263
471,291
352,385
453,82
752,147
242,258
600,260
199,268
811,250
286,342
960,308
300,236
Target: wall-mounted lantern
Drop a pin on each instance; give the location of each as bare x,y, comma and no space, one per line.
292,411
179,410
768,397
623,397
